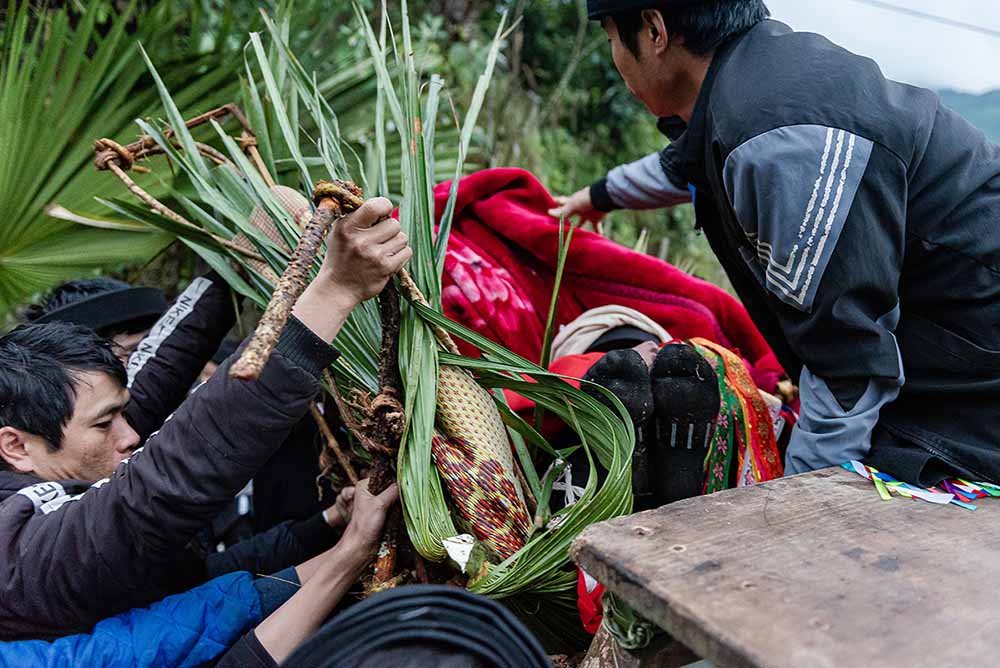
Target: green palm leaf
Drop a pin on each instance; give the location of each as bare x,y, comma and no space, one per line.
65,81
302,131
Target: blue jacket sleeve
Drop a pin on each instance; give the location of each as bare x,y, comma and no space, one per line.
182,631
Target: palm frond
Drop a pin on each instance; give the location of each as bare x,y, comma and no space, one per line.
301,131
65,80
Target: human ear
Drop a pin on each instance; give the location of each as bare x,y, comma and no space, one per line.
656,29
14,450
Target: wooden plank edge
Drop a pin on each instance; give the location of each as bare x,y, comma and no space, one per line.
674,618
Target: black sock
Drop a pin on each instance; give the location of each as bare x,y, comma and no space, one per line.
626,375
686,399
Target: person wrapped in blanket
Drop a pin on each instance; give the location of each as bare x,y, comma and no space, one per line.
701,424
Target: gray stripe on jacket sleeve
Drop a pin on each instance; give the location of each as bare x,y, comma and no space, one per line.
826,434
792,189
644,185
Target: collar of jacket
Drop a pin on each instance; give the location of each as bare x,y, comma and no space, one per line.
12,482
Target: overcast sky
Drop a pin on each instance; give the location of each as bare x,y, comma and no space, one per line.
909,49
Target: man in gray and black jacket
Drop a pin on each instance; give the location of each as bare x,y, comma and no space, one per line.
857,218
97,523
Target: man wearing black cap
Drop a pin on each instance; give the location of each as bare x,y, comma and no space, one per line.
857,218
112,308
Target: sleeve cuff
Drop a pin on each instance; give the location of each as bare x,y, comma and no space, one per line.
275,590
304,349
248,653
600,197
315,535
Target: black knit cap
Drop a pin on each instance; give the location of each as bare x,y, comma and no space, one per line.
598,9
442,616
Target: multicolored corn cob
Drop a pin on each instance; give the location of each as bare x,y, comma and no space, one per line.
474,458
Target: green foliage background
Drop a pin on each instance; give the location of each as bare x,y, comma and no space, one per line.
557,107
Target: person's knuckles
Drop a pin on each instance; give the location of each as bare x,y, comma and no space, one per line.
390,227
402,257
375,208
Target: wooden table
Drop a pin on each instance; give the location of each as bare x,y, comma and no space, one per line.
811,571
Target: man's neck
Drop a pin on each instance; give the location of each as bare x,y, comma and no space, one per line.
687,83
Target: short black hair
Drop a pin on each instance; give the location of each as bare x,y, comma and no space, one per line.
39,367
704,26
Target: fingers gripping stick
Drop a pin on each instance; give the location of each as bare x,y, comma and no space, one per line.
333,200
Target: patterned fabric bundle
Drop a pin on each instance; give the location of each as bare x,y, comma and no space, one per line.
474,458
744,431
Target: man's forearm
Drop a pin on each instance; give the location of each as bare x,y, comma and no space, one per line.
325,581
324,309
638,185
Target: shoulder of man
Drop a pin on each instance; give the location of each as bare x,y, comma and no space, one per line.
41,496
775,77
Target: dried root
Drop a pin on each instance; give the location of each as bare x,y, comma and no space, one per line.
334,200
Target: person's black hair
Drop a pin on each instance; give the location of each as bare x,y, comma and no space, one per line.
704,26
39,369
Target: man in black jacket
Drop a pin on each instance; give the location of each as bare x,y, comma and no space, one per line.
857,218
72,558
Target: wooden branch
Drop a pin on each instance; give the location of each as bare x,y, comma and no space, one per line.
387,408
331,445
334,200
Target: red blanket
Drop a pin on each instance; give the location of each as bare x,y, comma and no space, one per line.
501,263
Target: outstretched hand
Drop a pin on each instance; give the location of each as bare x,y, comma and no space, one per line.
578,206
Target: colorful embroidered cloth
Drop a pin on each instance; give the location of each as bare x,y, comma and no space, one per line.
744,428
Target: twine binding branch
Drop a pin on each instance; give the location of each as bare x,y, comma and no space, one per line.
112,156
